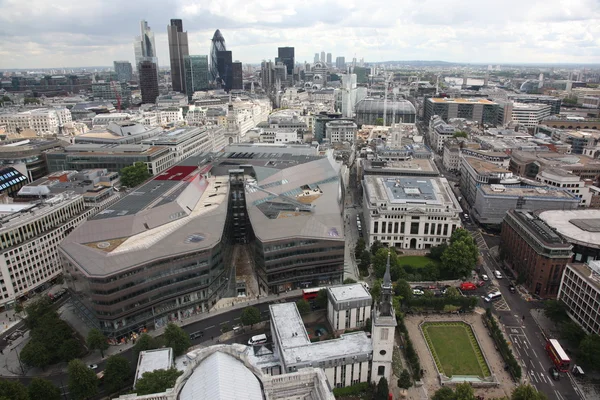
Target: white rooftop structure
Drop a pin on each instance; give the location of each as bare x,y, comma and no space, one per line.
355,291
152,360
577,226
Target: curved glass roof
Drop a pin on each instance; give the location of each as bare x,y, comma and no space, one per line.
376,106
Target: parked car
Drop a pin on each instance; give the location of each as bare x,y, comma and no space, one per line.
512,289
418,292
554,373
498,274
485,277
93,366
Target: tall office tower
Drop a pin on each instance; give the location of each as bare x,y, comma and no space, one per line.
196,74
340,62
224,69
123,70
286,57
148,71
178,49
267,74
329,59
322,56
218,44
237,79
316,58
353,62
144,46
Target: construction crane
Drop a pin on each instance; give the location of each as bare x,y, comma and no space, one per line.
299,206
117,95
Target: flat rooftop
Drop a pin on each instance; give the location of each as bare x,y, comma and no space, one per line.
540,229
151,360
460,101
485,167
412,165
288,325
355,291
580,227
527,191
407,190
590,273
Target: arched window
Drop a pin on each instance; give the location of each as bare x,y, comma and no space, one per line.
381,370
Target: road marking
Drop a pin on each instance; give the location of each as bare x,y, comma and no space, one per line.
208,327
235,319
560,397
535,378
543,376
541,365
534,353
550,382
525,350
222,323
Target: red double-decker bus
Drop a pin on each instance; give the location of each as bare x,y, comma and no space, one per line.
311,294
558,355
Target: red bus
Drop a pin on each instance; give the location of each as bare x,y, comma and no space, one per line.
558,356
311,294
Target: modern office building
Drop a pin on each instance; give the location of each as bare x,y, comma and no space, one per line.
553,102
224,66
148,71
144,46
112,91
370,110
29,237
123,70
329,59
217,44
534,252
237,79
197,74
530,115
316,58
178,50
28,156
580,292
11,181
475,172
117,132
163,252
482,111
439,132
563,179
187,141
409,212
578,227
348,306
340,131
529,164
285,55
323,59
340,63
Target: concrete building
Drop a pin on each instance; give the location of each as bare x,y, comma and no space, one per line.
152,360
578,139
102,120
340,131
11,181
349,306
171,100
553,102
29,239
563,179
493,201
42,121
369,110
475,172
482,111
439,132
578,227
534,252
580,292
178,50
409,212
187,141
530,115
28,156
529,164
340,63
123,70
112,91
398,163
117,132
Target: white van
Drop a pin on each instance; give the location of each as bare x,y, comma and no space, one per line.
497,274
493,296
258,339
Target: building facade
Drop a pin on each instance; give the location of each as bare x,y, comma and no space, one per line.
341,131
563,179
112,91
348,306
475,172
439,132
224,66
530,115
144,46
580,292
237,79
123,70
482,111
178,50
148,72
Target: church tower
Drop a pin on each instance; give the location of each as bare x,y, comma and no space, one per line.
383,330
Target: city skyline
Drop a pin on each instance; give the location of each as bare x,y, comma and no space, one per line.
90,33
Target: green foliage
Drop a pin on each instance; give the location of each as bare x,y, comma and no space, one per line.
69,349
250,316
461,255
527,392
97,341
464,391
589,352
376,246
134,175
505,351
157,381
177,339
460,134
572,332
403,290
444,393
35,354
383,390
321,300
360,247
570,100
368,325
379,121
13,390
358,390
303,307
376,290
348,281
83,382
379,262
36,311
405,380
143,343
117,373
409,350
555,311
42,389
437,251
452,292
417,303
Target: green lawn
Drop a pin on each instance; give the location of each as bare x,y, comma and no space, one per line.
455,349
416,261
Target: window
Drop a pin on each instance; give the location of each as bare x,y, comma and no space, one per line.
381,370
383,352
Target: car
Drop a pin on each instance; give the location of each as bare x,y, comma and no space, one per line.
93,366
485,277
512,289
418,292
554,373
498,274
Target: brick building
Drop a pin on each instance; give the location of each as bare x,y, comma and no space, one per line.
535,253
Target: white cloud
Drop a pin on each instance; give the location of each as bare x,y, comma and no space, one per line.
38,33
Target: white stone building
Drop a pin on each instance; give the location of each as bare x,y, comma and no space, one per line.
439,132
349,306
41,120
341,131
530,115
563,179
580,292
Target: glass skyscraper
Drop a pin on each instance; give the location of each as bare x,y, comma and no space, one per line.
196,74
178,50
218,44
144,46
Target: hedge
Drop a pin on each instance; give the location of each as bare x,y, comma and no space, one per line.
505,351
354,390
409,350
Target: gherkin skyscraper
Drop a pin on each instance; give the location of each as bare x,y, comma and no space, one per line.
218,44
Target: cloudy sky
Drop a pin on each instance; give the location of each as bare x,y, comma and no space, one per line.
76,33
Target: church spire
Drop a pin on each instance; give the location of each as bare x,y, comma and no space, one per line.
385,306
387,277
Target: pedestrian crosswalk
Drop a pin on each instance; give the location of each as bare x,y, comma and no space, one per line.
479,240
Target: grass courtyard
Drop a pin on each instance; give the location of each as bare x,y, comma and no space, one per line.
455,349
416,261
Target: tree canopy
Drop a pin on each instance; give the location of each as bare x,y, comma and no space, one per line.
143,343
589,351
376,246
555,311
321,300
97,341
527,392
42,389
462,254
83,382
157,381
134,175
250,316
383,390
303,306
177,339
405,380
13,390
117,373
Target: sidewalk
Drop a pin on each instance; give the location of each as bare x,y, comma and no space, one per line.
10,364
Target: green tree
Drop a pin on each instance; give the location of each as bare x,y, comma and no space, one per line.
452,292
383,391
69,349
380,261
35,354
321,300
134,175
12,390
527,392
143,343
250,316
589,351
403,290
460,258
405,380
349,281
379,121
464,391
177,339
83,382
157,381
460,134
360,247
97,341
117,373
38,310
303,307
444,393
42,389
376,290
572,332
376,246
555,311
437,251
365,261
